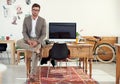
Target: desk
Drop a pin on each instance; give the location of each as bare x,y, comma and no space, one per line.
12,46
117,63
76,51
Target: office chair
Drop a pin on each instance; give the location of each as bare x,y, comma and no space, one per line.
58,53
3,51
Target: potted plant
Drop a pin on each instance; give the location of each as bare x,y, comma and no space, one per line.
77,34
77,37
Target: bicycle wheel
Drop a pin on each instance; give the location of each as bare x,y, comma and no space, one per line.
105,53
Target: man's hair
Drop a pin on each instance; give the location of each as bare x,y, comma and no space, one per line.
36,5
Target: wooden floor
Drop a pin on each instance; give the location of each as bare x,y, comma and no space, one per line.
103,73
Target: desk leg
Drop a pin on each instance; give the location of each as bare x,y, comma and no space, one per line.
12,45
117,64
81,60
90,68
18,57
85,65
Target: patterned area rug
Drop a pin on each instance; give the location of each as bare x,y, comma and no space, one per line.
70,75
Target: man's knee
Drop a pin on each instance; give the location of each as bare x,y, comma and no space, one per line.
18,42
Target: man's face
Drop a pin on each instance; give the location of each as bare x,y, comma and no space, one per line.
35,11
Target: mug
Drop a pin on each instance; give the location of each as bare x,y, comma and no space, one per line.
7,37
2,38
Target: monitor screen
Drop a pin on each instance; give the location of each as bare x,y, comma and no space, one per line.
62,31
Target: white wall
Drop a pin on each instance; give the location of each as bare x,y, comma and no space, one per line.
95,17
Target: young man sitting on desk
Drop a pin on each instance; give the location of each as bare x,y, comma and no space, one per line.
34,31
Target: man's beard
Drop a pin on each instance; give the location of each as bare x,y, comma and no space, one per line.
35,15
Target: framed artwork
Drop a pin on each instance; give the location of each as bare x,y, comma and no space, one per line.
9,2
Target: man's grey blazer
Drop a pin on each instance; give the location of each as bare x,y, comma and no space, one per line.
40,28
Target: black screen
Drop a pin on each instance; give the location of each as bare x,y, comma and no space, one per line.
62,30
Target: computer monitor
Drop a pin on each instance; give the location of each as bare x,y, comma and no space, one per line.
62,31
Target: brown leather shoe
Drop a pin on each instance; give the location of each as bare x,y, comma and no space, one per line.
32,78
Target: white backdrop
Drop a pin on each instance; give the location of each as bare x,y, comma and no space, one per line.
95,17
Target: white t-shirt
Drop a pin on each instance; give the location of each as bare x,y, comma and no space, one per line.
33,34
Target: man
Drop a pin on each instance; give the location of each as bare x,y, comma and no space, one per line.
34,32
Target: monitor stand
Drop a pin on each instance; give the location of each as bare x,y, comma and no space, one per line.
60,42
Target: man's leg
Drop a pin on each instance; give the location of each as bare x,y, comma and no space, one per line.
35,56
22,44
33,73
35,59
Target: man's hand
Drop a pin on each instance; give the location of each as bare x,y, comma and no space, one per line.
32,43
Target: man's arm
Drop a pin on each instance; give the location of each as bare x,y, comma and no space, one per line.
43,32
24,31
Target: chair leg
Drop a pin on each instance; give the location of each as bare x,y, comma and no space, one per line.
39,69
69,71
1,58
18,57
8,57
48,69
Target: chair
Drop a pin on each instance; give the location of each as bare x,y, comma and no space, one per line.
20,52
3,51
59,52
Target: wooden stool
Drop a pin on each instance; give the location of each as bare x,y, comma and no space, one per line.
27,55
19,51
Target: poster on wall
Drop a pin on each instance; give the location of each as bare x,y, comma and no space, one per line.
5,11
14,20
13,10
9,2
19,11
28,2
